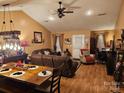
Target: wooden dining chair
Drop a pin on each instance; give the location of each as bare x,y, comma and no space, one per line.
4,91
53,84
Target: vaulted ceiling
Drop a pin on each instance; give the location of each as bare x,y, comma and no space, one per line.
88,14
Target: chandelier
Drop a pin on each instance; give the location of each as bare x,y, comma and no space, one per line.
9,38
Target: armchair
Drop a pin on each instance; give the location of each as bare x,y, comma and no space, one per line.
86,57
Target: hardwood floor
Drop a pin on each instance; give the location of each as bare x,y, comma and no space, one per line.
89,79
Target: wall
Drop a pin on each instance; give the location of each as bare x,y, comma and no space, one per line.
108,35
69,34
120,23
27,26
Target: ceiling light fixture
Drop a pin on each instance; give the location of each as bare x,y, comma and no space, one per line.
51,18
89,12
9,37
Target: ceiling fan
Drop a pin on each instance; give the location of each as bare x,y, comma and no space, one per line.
62,10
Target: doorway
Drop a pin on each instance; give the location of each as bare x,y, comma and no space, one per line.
78,42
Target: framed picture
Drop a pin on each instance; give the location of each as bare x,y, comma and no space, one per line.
68,41
37,37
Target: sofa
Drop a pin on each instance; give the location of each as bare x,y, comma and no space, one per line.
16,58
53,60
42,51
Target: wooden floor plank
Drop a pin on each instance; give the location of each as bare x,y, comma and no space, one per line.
89,79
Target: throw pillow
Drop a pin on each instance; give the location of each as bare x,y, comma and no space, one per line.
46,52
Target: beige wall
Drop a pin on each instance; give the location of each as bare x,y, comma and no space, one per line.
27,26
69,34
108,35
120,23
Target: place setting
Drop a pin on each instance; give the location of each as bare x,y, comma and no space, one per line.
5,70
45,73
23,66
17,74
32,67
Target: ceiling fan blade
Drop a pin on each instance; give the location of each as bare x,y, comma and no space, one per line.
68,12
72,2
67,5
54,13
73,7
63,9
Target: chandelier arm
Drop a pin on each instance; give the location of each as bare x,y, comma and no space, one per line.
13,25
3,23
2,29
10,18
4,19
4,14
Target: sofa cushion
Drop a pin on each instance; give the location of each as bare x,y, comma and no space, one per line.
36,51
36,59
47,60
46,52
85,51
41,51
58,60
89,59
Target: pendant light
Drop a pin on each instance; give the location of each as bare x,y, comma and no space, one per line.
11,41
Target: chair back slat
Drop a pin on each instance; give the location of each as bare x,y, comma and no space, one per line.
4,91
56,79
55,84
54,90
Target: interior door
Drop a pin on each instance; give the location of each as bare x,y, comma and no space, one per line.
77,44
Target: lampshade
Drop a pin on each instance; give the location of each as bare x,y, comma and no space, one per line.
24,43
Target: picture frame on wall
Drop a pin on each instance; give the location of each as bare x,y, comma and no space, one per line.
37,37
68,41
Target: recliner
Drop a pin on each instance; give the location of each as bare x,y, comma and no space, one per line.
86,57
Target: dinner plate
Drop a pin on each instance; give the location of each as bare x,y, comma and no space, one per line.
4,65
29,68
17,74
2,70
42,74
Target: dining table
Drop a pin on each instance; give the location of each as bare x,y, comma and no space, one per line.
30,76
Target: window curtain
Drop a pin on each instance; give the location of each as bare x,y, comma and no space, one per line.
96,41
104,40
113,43
58,48
54,42
101,42
61,40
83,41
93,42
58,40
